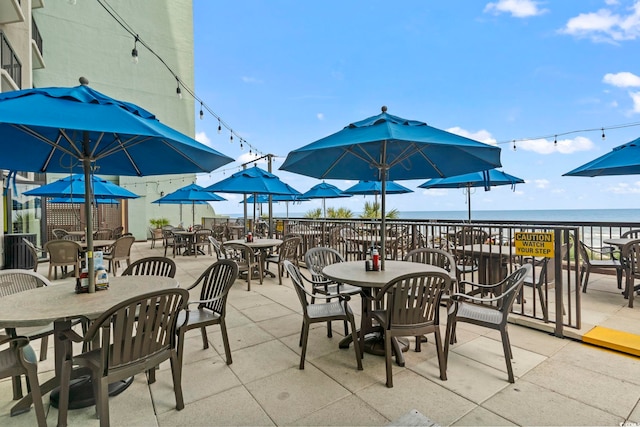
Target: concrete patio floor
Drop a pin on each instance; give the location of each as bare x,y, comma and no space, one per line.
558,381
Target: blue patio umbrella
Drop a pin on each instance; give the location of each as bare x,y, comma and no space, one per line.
324,191
191,194
486,179
622,160
78,129
254,181
375,188
80,200
286,198
73,187
387,147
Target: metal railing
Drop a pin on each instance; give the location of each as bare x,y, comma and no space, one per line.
9,60
553,299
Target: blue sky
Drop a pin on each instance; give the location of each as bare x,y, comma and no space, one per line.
284,73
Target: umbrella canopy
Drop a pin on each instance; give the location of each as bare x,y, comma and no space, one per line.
80,200
487,179
253,181
324,191
190,194
386,147
622,160
73,187
375,188
78,129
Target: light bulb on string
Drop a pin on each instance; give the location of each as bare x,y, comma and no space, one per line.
219,127
178,90
603,135
201,112
514,145
555,140
134,51
241,146
231,137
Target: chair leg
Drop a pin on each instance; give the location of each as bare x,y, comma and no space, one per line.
32,381
586,280
102,401
448,339
356,342
205,341
305,339
225,341
176,372
387,356
44,343
506,346
63,399
543,305
441,363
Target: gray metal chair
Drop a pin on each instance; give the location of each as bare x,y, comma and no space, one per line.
20,359
215,283
605,259
316,259
151,266
631,261
248,261
411,308
135,336
323,312
63,253
120,250
35,254
287,250
488,311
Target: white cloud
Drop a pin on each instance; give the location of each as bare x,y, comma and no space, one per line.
517,8
611,2
481,135
563,146
320,116
624,188
251,80
635,96
435,192
605,25
622,79
541,183
203,138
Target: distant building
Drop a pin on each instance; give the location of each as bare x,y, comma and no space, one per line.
54,43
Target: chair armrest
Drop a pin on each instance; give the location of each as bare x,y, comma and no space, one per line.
205,301
20,341
341,297
73,336
462,297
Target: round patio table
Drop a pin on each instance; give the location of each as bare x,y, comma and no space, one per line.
60,304
262,245
354,273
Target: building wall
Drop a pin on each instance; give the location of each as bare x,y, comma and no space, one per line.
84,40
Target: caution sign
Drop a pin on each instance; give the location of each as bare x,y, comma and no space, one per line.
534,244
280,226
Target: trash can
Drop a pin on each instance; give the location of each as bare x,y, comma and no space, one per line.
16,252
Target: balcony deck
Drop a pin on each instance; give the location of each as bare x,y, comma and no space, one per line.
558,381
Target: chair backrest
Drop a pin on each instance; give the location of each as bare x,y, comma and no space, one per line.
288,249
631,234
432,256
631,257
138,328
117,232
584,252
59,233
511,287
151,266
318,258
471,236
240,253
122,247
216,247
202,236
298,284
62,251
13,281
216,282
103,234
414,299
35,252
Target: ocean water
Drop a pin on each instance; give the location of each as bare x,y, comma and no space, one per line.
560,215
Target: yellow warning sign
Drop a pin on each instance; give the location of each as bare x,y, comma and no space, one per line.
280,226
534,244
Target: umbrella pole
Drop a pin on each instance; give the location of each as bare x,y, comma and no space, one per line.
469,201
383,190
86,164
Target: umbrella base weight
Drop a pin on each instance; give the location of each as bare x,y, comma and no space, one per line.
81,392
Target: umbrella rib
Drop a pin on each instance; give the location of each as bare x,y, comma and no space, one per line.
54,144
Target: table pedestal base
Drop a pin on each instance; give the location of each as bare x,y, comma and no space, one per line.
81,392
374,344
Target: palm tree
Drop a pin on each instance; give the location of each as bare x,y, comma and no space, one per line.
339,213
372,210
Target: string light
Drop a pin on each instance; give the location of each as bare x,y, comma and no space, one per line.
603,135
514,145
231,137
555,140
201,112
134,51
178,91
219,127
241,146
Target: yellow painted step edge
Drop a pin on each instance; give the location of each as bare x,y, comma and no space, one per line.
613,339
